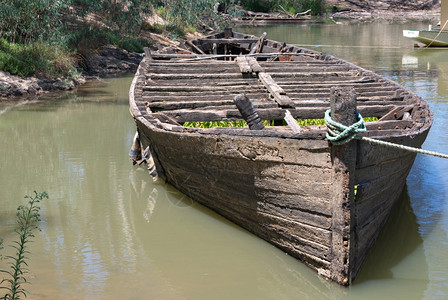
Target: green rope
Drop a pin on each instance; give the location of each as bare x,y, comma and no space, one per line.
339,134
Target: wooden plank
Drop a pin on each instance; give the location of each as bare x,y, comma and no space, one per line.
326,80
174,105
343,110
255,95
240,205
158,64
206,69
196,48
254,65
397,112
311,69
248,81
148,53
277,64
292,123
289,83
360,89
228,41
275,90
210,93
349,74
270,84
326,94
195,76
199,88
375,154
243,64
258,45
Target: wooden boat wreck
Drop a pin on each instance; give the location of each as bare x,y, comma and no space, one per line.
321,203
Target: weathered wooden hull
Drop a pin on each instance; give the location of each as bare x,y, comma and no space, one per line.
284,187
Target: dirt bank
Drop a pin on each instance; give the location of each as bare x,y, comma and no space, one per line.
389,11
386,5
360,16
111,60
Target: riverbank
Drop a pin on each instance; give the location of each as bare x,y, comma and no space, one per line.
363,16
108,61
386,11
111,60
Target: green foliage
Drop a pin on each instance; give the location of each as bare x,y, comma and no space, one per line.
27,221
317,7
311,122
192,12
292,6
212,124
301,122
122,16
24,21
129,43
36,34
258,6
35,58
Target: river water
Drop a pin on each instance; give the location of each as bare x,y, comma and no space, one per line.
109,232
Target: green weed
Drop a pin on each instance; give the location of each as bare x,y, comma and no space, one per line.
27,221
301,122
212,124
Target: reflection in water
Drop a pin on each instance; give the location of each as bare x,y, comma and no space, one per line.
110,232
433,61
398,253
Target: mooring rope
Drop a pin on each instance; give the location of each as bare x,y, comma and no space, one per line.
339,134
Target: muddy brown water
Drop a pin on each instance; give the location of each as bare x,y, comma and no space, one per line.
109,232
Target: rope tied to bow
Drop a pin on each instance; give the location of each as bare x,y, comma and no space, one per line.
339,134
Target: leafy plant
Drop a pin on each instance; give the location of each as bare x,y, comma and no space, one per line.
212,124
24,21
35,58
27,219
192,12
242,123
292,6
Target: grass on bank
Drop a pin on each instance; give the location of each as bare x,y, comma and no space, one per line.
35,58
53,61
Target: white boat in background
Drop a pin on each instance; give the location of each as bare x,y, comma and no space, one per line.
433,37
